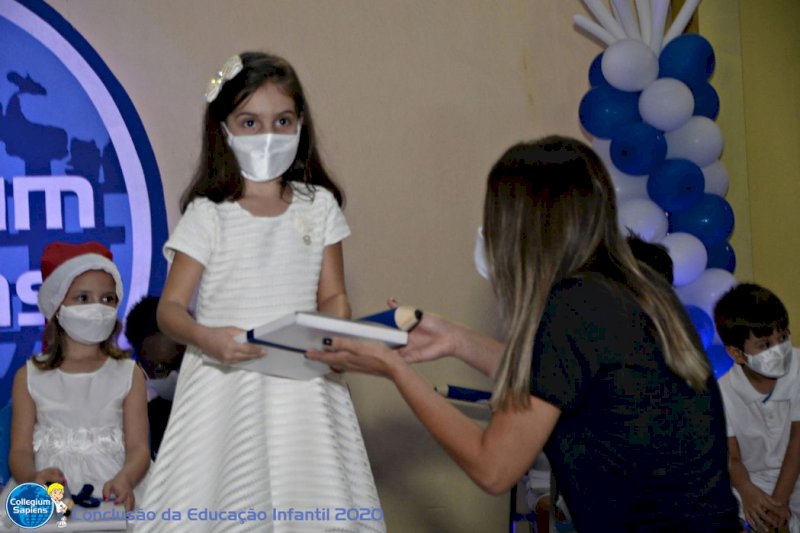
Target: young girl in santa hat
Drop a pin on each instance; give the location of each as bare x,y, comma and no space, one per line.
79,408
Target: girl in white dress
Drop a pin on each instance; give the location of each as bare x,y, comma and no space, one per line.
260,237
79,408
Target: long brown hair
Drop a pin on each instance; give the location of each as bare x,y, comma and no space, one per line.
218,176
550,212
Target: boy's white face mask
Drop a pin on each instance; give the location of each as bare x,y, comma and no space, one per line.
265,156
772,362
162,387
88,323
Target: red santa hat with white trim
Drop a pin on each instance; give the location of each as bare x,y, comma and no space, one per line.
63,262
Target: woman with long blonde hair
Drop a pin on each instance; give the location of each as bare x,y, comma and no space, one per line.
600,367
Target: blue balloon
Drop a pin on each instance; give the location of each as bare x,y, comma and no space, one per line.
720,361
604,109
721,256
676,184
702,324
596,77
689,58
710,220
638,148
706,100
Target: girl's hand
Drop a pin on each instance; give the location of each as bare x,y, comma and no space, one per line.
366,357
221,344
49,475
760,510
122,491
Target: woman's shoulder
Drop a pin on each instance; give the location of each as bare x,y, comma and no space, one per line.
593,297
587,286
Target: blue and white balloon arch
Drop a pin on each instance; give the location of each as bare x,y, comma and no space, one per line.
651,111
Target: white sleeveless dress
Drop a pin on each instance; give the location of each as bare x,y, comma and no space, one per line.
79,423
244,451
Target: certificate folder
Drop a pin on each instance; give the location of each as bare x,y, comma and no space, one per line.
289,337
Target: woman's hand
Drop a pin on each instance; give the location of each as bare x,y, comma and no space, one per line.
221,344
49,475
435,337
431,338
121,489
761,511
365,357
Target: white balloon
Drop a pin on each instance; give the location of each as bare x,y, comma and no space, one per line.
689,257
627,187
666,104
716,178
707,289
629,65
602,148
643,218
699,141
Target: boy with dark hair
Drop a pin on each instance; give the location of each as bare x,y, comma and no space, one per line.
654,255
761,394
160,358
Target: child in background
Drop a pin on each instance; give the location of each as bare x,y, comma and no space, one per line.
762,406
160,358
654,255
260,237
79,407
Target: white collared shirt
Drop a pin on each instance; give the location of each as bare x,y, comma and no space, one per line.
761,422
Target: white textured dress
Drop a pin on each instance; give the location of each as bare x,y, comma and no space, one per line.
244,451
79,423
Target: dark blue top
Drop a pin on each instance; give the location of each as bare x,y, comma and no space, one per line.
635,448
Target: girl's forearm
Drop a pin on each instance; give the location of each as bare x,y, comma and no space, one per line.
176,322
21,466
137,462
336,305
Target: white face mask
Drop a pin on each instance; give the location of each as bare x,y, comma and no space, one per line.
88,323
772,362
479,255
162,387
265,156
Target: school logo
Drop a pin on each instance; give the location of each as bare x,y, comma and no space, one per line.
29,506
75,165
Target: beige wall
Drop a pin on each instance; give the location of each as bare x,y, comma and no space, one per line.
771,66
415,100
757,46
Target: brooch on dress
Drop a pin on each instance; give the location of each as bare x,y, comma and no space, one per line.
304,227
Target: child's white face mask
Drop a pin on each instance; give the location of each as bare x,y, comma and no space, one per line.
162,387
88,323
265,156
772,362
